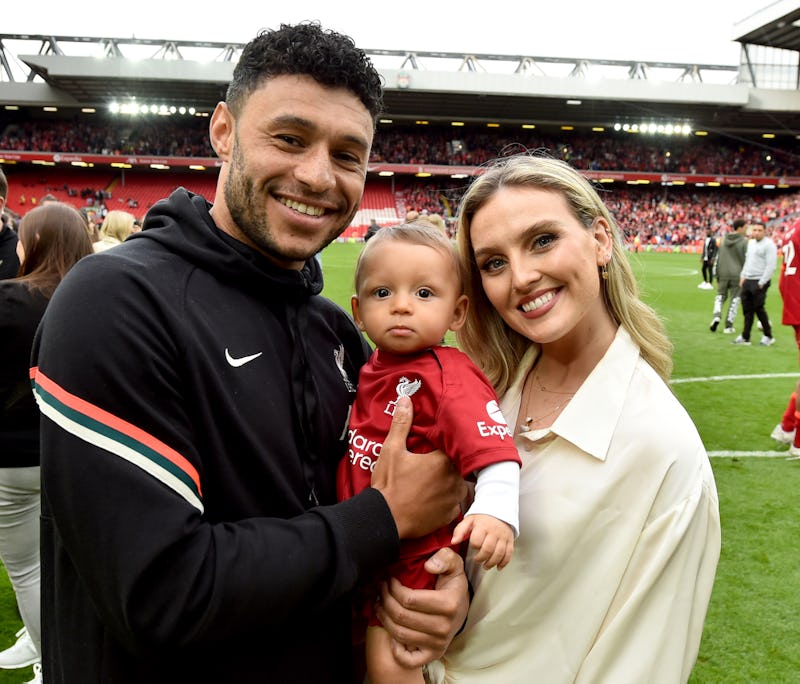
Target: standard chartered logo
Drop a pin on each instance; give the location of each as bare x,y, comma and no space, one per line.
362,452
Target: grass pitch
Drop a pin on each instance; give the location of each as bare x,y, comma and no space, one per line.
735,395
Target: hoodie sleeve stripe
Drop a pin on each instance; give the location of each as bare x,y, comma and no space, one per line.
102,429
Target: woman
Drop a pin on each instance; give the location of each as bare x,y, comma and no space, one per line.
117,227
52,238
619,522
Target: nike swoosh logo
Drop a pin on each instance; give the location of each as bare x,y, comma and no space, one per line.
240,361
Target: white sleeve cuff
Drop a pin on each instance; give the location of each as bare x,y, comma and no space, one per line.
497,493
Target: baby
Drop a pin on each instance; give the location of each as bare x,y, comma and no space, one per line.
409,293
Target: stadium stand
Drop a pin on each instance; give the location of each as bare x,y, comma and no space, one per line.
740,158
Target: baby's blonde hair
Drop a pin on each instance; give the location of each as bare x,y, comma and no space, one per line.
416,233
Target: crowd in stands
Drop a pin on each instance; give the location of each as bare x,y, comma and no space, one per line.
187,137
609,151
675,216
439,145
678,216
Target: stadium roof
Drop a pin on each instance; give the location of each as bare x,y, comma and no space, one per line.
775,26
71,72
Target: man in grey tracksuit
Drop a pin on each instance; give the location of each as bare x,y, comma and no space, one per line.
730,260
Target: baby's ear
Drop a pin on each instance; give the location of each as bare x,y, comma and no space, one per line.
459,313
354,309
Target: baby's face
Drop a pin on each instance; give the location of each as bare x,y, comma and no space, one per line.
409,297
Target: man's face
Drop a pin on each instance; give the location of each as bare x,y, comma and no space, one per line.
757,232
296,161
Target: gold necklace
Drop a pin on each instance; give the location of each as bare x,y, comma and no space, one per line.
525,423
525,426
544,389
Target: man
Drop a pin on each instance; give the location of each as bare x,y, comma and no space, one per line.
188,462
786,431
707,258
759,265
373,228
9,261
730,260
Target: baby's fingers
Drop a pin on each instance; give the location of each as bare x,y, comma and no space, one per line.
462,530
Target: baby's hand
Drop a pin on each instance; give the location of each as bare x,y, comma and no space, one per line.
492,538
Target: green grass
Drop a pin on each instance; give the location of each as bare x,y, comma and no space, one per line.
752,634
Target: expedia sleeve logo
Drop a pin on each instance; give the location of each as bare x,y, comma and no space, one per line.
496,425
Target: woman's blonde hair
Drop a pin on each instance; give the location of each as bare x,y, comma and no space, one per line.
486,337
118,224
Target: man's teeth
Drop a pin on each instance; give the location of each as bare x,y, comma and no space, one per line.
302,208
538,302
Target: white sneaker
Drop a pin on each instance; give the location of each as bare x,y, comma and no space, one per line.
729,330
780,435
767,341
741,340
794,453
21,654
37,675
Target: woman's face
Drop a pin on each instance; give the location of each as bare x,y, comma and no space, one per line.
539,264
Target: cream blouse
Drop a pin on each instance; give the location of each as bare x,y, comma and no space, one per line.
619,542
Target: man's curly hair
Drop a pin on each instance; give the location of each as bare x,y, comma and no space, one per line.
330,58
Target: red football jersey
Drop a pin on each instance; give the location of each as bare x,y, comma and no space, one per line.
790,276
455,410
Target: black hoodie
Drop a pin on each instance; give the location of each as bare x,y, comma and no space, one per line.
196,399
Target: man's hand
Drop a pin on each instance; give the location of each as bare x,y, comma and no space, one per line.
423,622
423,491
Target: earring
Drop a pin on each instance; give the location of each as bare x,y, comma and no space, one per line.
604,272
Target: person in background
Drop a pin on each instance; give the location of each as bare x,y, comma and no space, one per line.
409,293
9,261
373,228
619,517
52,239
786,431
91,226
707,259
759,265
190,529
117,227
730,259
434,220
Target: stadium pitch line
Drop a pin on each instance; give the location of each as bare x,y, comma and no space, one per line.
747,454
718,378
